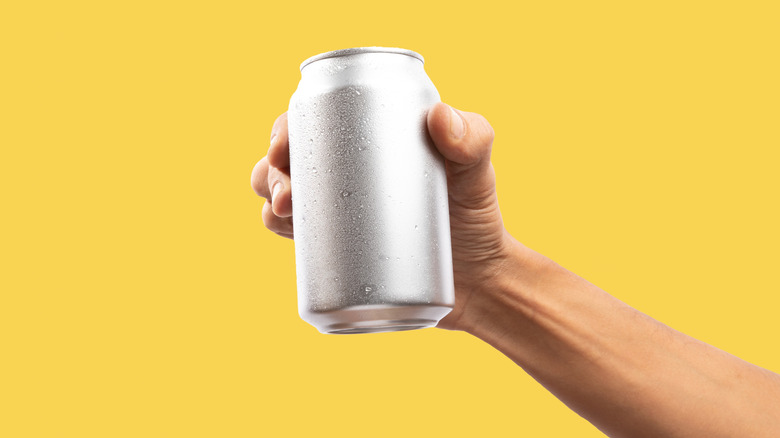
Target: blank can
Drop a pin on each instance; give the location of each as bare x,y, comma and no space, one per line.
369,190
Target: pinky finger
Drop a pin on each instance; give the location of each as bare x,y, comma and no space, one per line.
280,225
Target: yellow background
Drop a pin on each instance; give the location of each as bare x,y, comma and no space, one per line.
637,144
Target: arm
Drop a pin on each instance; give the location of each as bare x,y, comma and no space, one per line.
626,373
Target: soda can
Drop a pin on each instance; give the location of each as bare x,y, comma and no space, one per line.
369,191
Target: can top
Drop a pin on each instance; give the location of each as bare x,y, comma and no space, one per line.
359,50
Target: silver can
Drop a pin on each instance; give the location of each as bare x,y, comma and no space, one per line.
370,206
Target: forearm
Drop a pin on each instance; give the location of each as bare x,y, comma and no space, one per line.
626,373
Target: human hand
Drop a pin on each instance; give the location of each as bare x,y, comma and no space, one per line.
480,244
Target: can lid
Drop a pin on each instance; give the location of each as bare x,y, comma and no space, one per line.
359,50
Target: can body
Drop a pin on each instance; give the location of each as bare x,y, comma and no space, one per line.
369,190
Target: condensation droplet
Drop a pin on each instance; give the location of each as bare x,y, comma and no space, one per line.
345,194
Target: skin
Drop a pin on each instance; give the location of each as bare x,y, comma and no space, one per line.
626,373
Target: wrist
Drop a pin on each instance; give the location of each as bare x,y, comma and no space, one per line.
505,292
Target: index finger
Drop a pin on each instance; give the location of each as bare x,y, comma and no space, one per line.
279,151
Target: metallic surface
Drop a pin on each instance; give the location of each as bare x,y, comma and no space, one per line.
370,207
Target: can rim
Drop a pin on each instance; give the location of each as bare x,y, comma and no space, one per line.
360,50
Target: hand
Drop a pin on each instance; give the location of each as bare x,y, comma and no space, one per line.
621,370
480,244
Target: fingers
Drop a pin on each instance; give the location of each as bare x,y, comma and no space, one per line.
465,140
279,152
281,196
274,185
282,226
259,179
271,180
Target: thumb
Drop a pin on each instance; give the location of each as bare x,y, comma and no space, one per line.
465,140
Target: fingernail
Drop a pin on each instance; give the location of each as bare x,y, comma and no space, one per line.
273,137
457,128
275,191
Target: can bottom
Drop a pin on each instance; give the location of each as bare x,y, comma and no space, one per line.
384,326
377,318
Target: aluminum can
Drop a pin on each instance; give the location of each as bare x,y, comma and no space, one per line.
369,191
